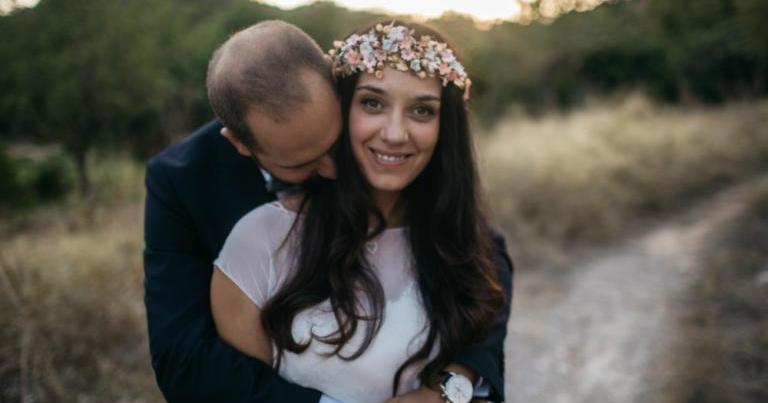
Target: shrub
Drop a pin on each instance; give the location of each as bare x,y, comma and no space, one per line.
12,192
53,178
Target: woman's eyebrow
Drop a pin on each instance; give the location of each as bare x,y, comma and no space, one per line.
381,91
424,98
372,89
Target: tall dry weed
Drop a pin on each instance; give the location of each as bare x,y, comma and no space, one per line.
71,313
584,175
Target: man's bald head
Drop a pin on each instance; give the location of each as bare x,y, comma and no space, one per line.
260,69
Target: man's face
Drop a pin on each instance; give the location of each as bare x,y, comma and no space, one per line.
300,146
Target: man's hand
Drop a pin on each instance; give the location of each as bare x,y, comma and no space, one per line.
421,395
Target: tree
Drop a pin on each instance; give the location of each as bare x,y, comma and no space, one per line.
88,74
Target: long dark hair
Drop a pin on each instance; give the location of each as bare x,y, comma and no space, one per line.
448,234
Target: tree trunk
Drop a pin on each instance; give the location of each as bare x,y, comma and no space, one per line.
83,180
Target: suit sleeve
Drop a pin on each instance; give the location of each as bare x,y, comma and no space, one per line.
486,358
191,363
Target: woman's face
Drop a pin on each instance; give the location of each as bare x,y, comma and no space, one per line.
393,127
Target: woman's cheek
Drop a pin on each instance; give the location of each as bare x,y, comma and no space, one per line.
426,136
364,127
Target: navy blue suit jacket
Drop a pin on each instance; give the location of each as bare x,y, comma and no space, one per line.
197,190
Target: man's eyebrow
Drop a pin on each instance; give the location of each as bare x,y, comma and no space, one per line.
381,91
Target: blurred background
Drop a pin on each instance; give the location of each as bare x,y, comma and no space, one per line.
624,148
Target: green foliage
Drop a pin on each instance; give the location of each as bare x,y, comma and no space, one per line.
88,74
53,178
12,193
25,182
714,46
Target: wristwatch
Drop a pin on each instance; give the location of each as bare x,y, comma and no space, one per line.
455,388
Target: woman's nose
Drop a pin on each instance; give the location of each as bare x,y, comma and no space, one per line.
395,130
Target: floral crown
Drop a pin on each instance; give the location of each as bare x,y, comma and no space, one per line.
396,47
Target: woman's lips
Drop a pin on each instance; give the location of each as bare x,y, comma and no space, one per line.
389,159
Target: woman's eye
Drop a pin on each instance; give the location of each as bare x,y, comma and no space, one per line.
371,103
423,111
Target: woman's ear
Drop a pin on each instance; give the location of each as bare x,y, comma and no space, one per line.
241,148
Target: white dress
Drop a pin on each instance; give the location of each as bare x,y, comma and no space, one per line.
252,257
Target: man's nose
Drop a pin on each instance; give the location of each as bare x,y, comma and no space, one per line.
327,167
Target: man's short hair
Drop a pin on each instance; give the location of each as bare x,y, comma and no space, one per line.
260,67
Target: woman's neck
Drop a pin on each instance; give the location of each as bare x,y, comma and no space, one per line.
390,206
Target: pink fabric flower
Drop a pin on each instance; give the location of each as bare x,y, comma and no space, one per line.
353,57
444,69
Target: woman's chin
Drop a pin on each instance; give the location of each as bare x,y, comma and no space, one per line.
387,187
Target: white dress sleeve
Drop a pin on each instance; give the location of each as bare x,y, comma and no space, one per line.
252,257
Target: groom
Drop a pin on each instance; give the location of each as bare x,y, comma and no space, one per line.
279,118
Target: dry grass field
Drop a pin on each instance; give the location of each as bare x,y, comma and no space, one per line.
72,324
586,175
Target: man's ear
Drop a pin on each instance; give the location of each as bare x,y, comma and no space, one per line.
239,146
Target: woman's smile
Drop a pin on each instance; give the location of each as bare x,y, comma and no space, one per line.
389,159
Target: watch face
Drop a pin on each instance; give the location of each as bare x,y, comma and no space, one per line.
459,389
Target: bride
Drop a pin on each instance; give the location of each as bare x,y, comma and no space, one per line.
365,287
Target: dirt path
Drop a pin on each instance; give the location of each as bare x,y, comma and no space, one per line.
609,329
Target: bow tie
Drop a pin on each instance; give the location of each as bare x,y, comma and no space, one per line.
275,185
